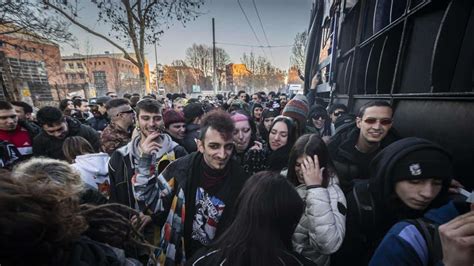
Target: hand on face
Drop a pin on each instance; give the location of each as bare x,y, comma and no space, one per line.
257,146
151,145
312,174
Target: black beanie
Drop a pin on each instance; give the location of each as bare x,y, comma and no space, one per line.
423,164
270,112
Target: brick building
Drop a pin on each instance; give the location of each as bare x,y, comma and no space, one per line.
30,68
94,75
235,76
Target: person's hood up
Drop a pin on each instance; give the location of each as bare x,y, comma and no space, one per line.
95,163
382,180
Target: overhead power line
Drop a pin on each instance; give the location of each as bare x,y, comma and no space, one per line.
263,29
250,24
253,45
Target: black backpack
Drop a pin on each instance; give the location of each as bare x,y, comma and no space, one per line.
367,220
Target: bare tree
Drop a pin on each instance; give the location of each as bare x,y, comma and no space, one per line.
199,56
298,51
29,18
133,22
263,73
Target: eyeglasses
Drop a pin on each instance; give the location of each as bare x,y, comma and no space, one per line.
383,121
336,114
127,112
317,117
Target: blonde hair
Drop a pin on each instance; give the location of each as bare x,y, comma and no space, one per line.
56,172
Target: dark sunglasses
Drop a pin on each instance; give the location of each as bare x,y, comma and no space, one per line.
383,121
127,112
336,114
317,117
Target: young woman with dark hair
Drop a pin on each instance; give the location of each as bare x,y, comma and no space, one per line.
283,134
319,122
262,228
321,229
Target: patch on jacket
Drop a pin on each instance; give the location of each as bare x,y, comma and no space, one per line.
342,209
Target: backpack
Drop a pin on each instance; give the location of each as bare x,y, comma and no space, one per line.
9,154
367,220
430,233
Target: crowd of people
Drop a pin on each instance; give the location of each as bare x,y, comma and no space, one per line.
261,179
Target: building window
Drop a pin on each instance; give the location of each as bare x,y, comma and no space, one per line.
71,65
79,65
81,75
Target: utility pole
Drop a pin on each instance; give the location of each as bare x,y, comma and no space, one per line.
214,76
156,69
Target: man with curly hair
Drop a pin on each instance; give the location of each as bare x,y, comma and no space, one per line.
203,184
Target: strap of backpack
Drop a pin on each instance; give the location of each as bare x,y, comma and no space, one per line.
365,207
429,231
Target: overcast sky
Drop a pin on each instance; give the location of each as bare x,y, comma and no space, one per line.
281,19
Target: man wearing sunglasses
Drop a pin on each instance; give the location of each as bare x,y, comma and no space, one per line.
353,153
335,111
119,131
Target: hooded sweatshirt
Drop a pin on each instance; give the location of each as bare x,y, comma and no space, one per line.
362,239
126,161
94,171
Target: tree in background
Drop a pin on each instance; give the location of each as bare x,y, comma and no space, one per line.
30,18
133,23
199,56
263,74
298,51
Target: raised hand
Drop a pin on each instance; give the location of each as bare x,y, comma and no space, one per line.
150,145
312,174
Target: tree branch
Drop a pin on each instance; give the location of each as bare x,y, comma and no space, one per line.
82,26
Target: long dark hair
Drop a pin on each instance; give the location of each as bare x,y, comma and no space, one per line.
267,211
310,144
292,129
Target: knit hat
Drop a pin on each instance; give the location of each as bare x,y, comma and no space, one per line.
270,113
423,164
297,108
192,110
171,116
103,99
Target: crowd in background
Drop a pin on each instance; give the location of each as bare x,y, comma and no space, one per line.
237,179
